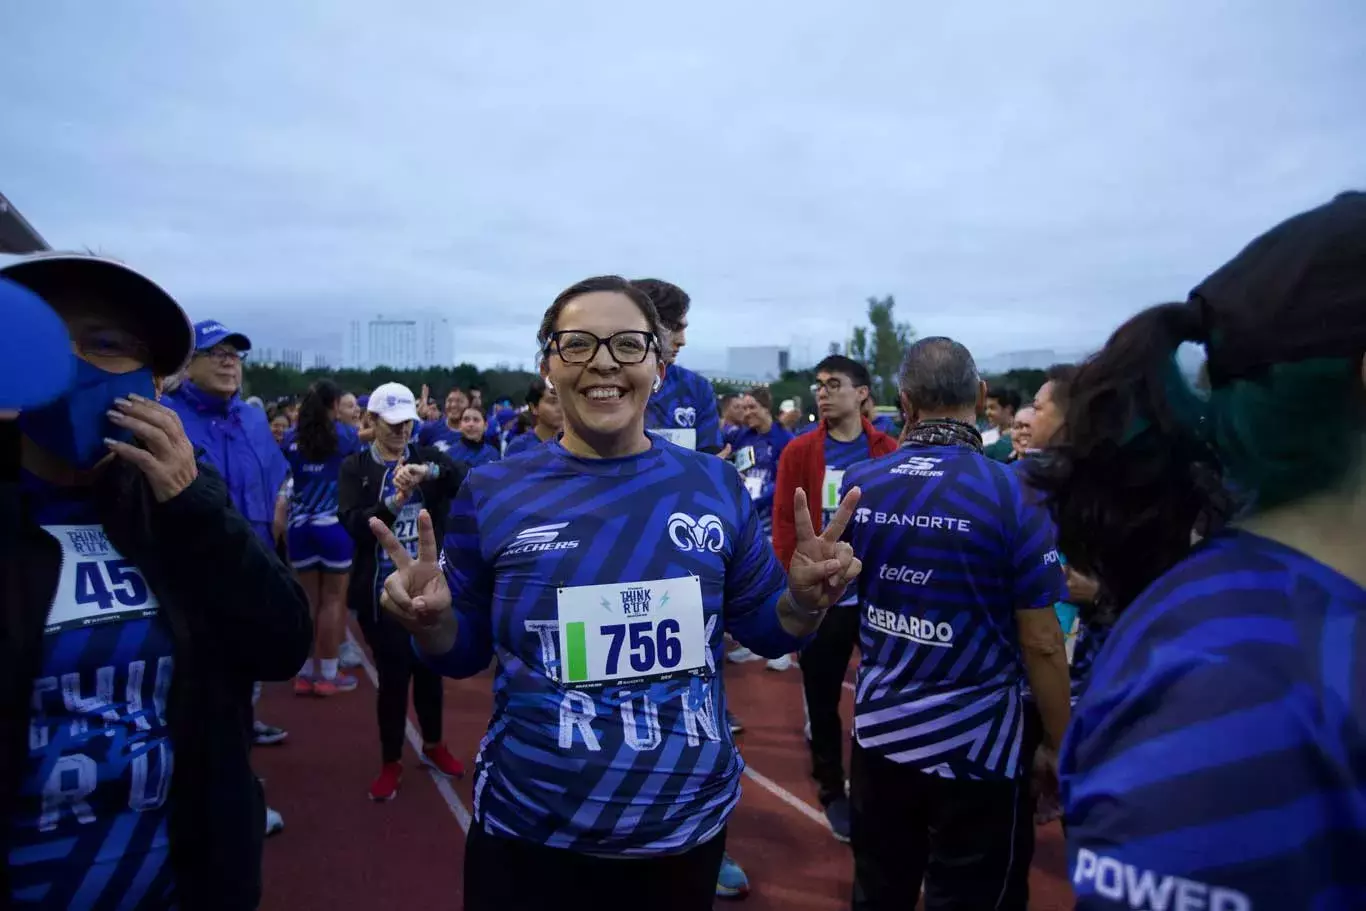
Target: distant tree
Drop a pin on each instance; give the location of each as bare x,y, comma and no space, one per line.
890,341
858,344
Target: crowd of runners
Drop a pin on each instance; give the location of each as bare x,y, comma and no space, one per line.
1132,601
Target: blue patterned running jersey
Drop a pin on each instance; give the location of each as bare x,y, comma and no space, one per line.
684,411
314,496
1217,757
89,830
603,586
950,550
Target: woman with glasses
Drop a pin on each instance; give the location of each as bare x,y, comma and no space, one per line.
139,607
602,569
319,546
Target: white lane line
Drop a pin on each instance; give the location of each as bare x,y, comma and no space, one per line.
787,797
443,785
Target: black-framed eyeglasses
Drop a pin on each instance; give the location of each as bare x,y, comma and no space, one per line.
224,354
575,346
832,386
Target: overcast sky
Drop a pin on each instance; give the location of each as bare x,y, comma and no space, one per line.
1018,175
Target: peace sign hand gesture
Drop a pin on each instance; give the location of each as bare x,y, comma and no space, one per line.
822,565
415,593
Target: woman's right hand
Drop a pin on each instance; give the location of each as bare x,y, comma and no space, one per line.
415,593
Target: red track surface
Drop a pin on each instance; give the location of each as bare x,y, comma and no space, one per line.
340,850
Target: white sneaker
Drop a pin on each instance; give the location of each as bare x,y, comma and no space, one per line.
740,655
781,664
274,822
350,656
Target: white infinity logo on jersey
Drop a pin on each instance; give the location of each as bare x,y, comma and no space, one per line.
685,416
541,534
688,533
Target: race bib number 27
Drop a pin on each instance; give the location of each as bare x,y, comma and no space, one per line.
631,631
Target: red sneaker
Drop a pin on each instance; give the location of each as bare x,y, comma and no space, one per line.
385,785
303,686
440,759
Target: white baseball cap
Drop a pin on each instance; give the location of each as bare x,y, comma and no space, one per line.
393,403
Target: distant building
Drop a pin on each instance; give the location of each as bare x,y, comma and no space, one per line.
757,364
401,341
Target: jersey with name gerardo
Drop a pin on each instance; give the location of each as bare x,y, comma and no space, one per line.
603,588
950,550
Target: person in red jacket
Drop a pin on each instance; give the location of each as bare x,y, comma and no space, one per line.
816,462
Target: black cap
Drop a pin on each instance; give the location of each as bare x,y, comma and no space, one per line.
1296,292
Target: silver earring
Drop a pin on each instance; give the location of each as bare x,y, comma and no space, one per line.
654,387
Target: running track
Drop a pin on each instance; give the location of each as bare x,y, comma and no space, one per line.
340,850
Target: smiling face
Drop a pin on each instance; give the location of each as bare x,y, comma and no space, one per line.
603,401
472,424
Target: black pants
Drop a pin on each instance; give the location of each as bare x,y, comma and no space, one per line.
955,836
507,874
824,663
397,666
1017,893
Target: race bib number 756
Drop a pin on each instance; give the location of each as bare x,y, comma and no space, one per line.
631,631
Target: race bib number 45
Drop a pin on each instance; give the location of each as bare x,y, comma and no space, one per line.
631,631
96,585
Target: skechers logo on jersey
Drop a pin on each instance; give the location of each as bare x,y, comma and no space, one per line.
904,574
919,467
934,523
542,537
689,534
1149,891
923,632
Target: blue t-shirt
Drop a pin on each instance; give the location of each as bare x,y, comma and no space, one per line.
1218,750
951,549
463,452
684,411
523,442
755,455
314,496
604,586
90,825
439,435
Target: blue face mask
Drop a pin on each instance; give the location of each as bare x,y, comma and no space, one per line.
74,427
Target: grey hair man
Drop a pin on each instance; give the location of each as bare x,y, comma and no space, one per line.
955,613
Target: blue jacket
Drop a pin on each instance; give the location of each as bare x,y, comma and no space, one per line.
235,439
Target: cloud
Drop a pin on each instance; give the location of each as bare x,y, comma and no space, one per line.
1018,177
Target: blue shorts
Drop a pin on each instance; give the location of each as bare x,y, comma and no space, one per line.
321,543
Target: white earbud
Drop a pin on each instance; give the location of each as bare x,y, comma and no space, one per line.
549,386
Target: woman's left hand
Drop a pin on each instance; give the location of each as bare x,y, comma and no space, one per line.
822,565
168,459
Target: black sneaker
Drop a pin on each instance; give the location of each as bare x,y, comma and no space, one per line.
265,735
837,814
735,725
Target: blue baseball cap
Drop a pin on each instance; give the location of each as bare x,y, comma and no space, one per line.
35,350
210,332
156,317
